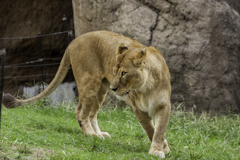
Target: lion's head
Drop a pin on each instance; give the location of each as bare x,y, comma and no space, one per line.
129,72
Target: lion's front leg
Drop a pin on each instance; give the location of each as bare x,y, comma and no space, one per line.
146,121
159,145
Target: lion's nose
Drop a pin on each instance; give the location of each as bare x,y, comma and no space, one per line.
114,89
114,85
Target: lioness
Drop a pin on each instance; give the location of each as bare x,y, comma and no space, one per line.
137,74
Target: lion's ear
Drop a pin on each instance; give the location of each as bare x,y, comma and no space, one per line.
121,48
140,58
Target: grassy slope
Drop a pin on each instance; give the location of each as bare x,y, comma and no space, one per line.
43,132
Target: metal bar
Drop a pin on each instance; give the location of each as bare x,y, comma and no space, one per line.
36,65
2,53
36,61
30,76
40,47
45,35
69,32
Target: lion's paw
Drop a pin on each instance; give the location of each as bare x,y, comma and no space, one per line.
159,154
165,147
99,135
102,135
105,134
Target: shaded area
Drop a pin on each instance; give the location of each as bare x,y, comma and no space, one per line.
29,18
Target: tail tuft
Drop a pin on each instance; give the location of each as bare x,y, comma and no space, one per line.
9,101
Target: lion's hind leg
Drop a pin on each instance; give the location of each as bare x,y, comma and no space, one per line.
95,108
91,96
82,114
88,96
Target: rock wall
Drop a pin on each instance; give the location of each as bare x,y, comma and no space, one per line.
28,18
200,41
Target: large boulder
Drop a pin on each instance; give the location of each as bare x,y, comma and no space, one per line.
200,41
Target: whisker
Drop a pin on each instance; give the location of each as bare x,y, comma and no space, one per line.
137,94
134,94
129,97
122,92
131,94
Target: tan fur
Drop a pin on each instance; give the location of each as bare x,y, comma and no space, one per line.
138,74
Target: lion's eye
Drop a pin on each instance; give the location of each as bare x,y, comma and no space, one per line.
123,73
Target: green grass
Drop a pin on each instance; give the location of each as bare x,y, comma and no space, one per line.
39,132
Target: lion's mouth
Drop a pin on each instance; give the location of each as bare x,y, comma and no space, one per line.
127,92
123,94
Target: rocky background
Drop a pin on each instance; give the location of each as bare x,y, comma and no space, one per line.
200,41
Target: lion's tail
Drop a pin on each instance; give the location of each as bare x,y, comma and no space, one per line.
11,102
